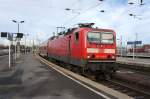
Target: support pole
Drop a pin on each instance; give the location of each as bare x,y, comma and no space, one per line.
121,44
133,51
15,50
25,45
9,55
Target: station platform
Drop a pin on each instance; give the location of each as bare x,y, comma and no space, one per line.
37,81
136,61
4,63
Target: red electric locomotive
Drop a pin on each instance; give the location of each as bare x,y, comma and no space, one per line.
90,49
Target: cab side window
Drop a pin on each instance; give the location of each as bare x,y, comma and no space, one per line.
77,36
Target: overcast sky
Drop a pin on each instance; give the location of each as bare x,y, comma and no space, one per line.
43,16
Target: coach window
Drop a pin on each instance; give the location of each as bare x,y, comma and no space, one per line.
77,36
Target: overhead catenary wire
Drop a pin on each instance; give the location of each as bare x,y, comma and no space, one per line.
82,12
90,8
75,3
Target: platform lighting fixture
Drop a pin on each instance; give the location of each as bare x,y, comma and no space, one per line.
131,3
141,2
102,11
21,21
68,9
131,15
18,23
101,0
14,21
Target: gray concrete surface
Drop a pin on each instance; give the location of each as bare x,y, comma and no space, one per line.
6,73
4,63
136,61
34,80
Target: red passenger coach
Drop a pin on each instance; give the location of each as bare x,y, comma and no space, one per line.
43,49
85,47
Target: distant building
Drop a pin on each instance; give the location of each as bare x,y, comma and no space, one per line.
146,48
141,49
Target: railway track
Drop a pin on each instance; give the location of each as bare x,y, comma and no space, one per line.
131,89
127,89
138,92
142,69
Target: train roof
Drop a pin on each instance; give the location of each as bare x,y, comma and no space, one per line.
97,29
89,25
81,26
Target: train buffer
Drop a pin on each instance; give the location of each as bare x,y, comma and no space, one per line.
38,80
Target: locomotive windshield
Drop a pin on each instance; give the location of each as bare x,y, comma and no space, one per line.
101,37
107,37
94,37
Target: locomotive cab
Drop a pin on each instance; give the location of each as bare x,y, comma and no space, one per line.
100,50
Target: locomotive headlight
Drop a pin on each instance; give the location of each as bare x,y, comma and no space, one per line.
110,51
113,57
88,56
92,50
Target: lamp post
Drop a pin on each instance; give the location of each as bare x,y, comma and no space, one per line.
134,45
18,23
18,39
